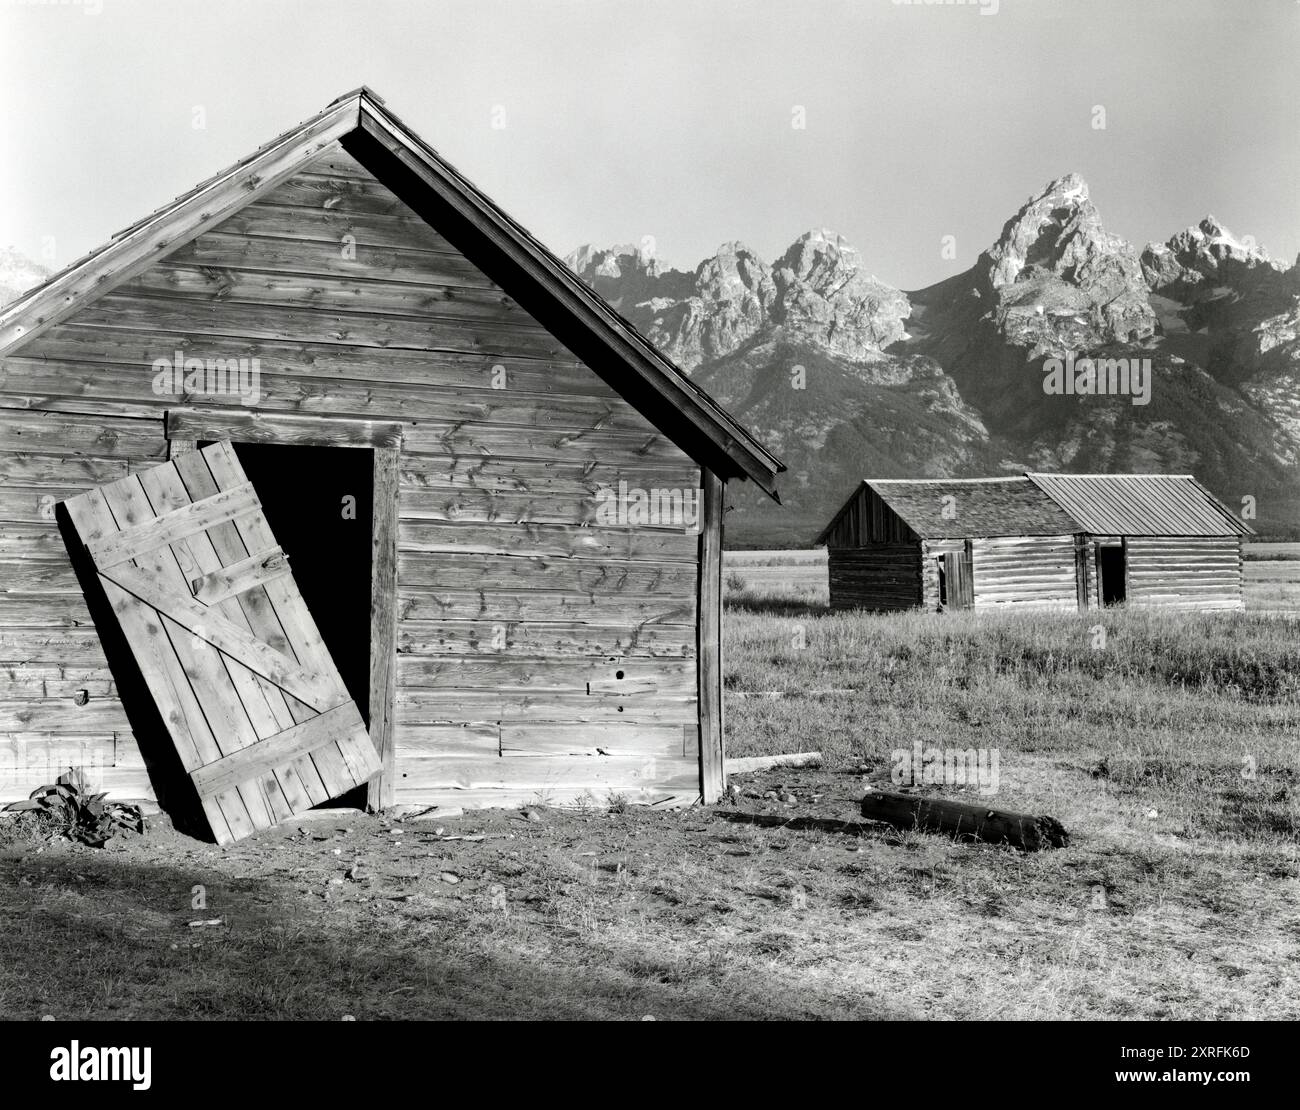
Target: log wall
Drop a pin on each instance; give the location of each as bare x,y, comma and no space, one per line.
1184,573
541,654
1025,571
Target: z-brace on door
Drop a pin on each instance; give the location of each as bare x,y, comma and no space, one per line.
252,700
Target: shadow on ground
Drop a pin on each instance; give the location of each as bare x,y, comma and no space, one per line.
84,935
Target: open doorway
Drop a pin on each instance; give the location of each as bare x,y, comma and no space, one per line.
319,503
1112,586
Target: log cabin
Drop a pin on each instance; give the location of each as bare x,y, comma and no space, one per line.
1068,542
443,428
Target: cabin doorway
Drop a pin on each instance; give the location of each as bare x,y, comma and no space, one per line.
1112,577
319,502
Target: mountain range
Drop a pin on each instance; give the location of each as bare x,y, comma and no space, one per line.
846,377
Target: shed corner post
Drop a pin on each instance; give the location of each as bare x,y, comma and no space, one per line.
713,772
381,790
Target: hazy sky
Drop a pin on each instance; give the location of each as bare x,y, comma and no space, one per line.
673,118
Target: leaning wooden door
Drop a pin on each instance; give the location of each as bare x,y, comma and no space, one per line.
231,655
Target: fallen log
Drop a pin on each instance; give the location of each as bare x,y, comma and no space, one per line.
767,762
964,819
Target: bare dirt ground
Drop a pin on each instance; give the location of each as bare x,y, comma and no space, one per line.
756,909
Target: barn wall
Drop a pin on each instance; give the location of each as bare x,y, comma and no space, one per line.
1025,571
1185,573
878,576
529,632
49,649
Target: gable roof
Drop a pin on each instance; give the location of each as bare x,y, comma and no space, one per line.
500,246
1052,505
1141,505
979,507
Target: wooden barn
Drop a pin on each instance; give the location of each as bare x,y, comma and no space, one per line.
1062,541
331,450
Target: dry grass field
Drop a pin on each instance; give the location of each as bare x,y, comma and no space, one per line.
1171,754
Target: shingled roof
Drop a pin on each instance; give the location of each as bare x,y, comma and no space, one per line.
978,507
532,275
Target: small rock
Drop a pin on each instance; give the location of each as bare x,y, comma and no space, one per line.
449,877
354,873
771,795
347,1017
532,815
787,799
336,881
47,1017
1152,814
648,1017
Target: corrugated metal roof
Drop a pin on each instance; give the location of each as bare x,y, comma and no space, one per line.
950,507
1141,504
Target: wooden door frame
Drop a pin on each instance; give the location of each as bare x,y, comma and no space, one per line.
185,428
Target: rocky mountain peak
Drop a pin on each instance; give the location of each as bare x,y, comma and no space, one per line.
1059,232
1203,256
1057,280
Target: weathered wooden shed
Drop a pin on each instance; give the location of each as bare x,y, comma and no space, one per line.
1154,540
1054,541
502,507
